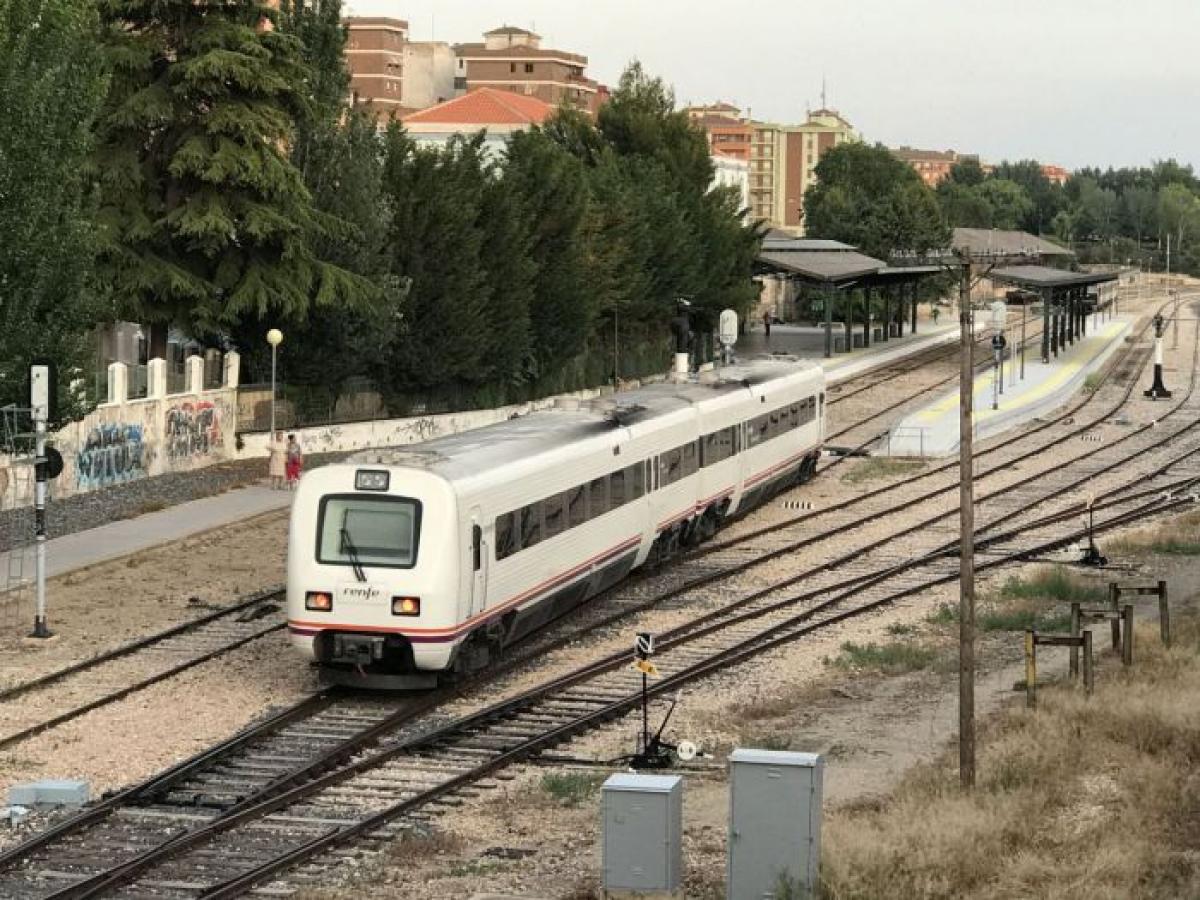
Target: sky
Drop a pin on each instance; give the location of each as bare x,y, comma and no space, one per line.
1070,82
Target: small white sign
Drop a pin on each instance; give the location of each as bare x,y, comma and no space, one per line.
728,327
39,391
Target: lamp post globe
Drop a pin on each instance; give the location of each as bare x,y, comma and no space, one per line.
274,338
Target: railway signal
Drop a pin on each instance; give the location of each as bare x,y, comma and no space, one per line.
47,465
1158,389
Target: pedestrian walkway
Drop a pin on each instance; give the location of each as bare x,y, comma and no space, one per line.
129,536
850,365
934,430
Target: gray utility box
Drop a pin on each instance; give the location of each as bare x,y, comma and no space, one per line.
643,836
774,822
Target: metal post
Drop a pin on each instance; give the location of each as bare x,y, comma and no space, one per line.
828,294
1075,624
866,295
274,358
1046,325
912,296
40,628
645,717
1164,614
1030,669
1024,316
966,501
1127,627
1175,326
1089,667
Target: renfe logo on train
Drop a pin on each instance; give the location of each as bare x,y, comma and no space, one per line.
360,593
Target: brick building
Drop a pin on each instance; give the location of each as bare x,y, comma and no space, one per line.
932,165
513,59
728,133
499,114
392,73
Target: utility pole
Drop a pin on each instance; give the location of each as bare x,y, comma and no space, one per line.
966,520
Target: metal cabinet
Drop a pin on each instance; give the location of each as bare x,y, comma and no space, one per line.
643,834
774,822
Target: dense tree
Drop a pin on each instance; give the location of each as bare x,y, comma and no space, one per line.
1010,204
203,218
554,188
866,197
434,244
1140,206
1178,213
51,85
1046,196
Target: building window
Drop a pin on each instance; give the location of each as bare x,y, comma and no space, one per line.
512,67
529,68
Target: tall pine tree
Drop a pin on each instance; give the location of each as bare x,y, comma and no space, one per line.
203,217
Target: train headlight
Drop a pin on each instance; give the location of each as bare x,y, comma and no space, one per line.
318,601
406,606
371,480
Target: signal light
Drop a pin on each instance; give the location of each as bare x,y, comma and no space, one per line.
406,606
318,601
370,480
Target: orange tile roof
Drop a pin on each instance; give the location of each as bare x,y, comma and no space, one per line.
486,106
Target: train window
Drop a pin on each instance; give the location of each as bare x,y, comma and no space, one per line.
531,525
616,489
634,477
476,546
671,466
576,506
650,471
506,544
598,498
737,438
795,415
353,530
691,461
553,509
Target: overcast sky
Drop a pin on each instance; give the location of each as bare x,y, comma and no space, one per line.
1073,82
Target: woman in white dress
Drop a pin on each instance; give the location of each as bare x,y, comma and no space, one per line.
277,467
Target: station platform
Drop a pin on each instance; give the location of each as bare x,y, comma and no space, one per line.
934,429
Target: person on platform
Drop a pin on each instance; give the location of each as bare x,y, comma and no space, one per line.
295,462
767,323
277,466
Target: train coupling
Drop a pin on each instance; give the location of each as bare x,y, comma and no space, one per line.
357,649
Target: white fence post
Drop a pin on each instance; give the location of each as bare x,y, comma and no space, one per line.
195,374
233,369
118,383
156,379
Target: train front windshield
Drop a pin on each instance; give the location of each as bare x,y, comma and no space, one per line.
358,530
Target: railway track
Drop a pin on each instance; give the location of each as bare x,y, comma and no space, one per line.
190,875
365,799
78,689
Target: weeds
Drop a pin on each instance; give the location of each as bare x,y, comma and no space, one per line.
1022,619
1086,797
1056,585
899,628
1092,383
571,788
875,467
893,658
417,845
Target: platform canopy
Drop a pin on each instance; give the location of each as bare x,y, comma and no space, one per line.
995,242
830,267
1043,278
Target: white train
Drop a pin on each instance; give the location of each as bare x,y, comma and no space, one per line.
409,562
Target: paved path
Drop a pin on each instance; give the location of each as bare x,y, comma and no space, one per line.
129,536
933,430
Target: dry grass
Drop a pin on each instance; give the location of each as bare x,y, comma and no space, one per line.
1178,537
1094,798
876,467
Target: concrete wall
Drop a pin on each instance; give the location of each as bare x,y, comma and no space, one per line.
125,440
397,432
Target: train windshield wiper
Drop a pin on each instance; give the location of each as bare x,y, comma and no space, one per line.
352,552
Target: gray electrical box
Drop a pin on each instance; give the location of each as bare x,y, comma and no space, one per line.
643,836
774,822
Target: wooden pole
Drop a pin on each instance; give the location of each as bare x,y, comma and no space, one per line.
1164,614
966,513
1114,593
1030,669
1127,627
1074,658
1089,668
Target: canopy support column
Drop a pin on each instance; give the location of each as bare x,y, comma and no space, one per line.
1046,295
827,294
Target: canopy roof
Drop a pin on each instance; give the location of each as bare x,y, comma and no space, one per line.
994,242
1043,277
829,267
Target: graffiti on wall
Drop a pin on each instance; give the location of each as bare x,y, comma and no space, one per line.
192,430
111,454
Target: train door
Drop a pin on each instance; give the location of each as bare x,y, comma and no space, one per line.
478,558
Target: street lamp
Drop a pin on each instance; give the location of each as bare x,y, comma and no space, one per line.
274,338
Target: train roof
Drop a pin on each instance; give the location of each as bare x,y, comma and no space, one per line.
575,424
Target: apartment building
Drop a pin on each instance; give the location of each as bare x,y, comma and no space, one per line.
783,160
932,165
729,134
393,74
513,59
498,114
